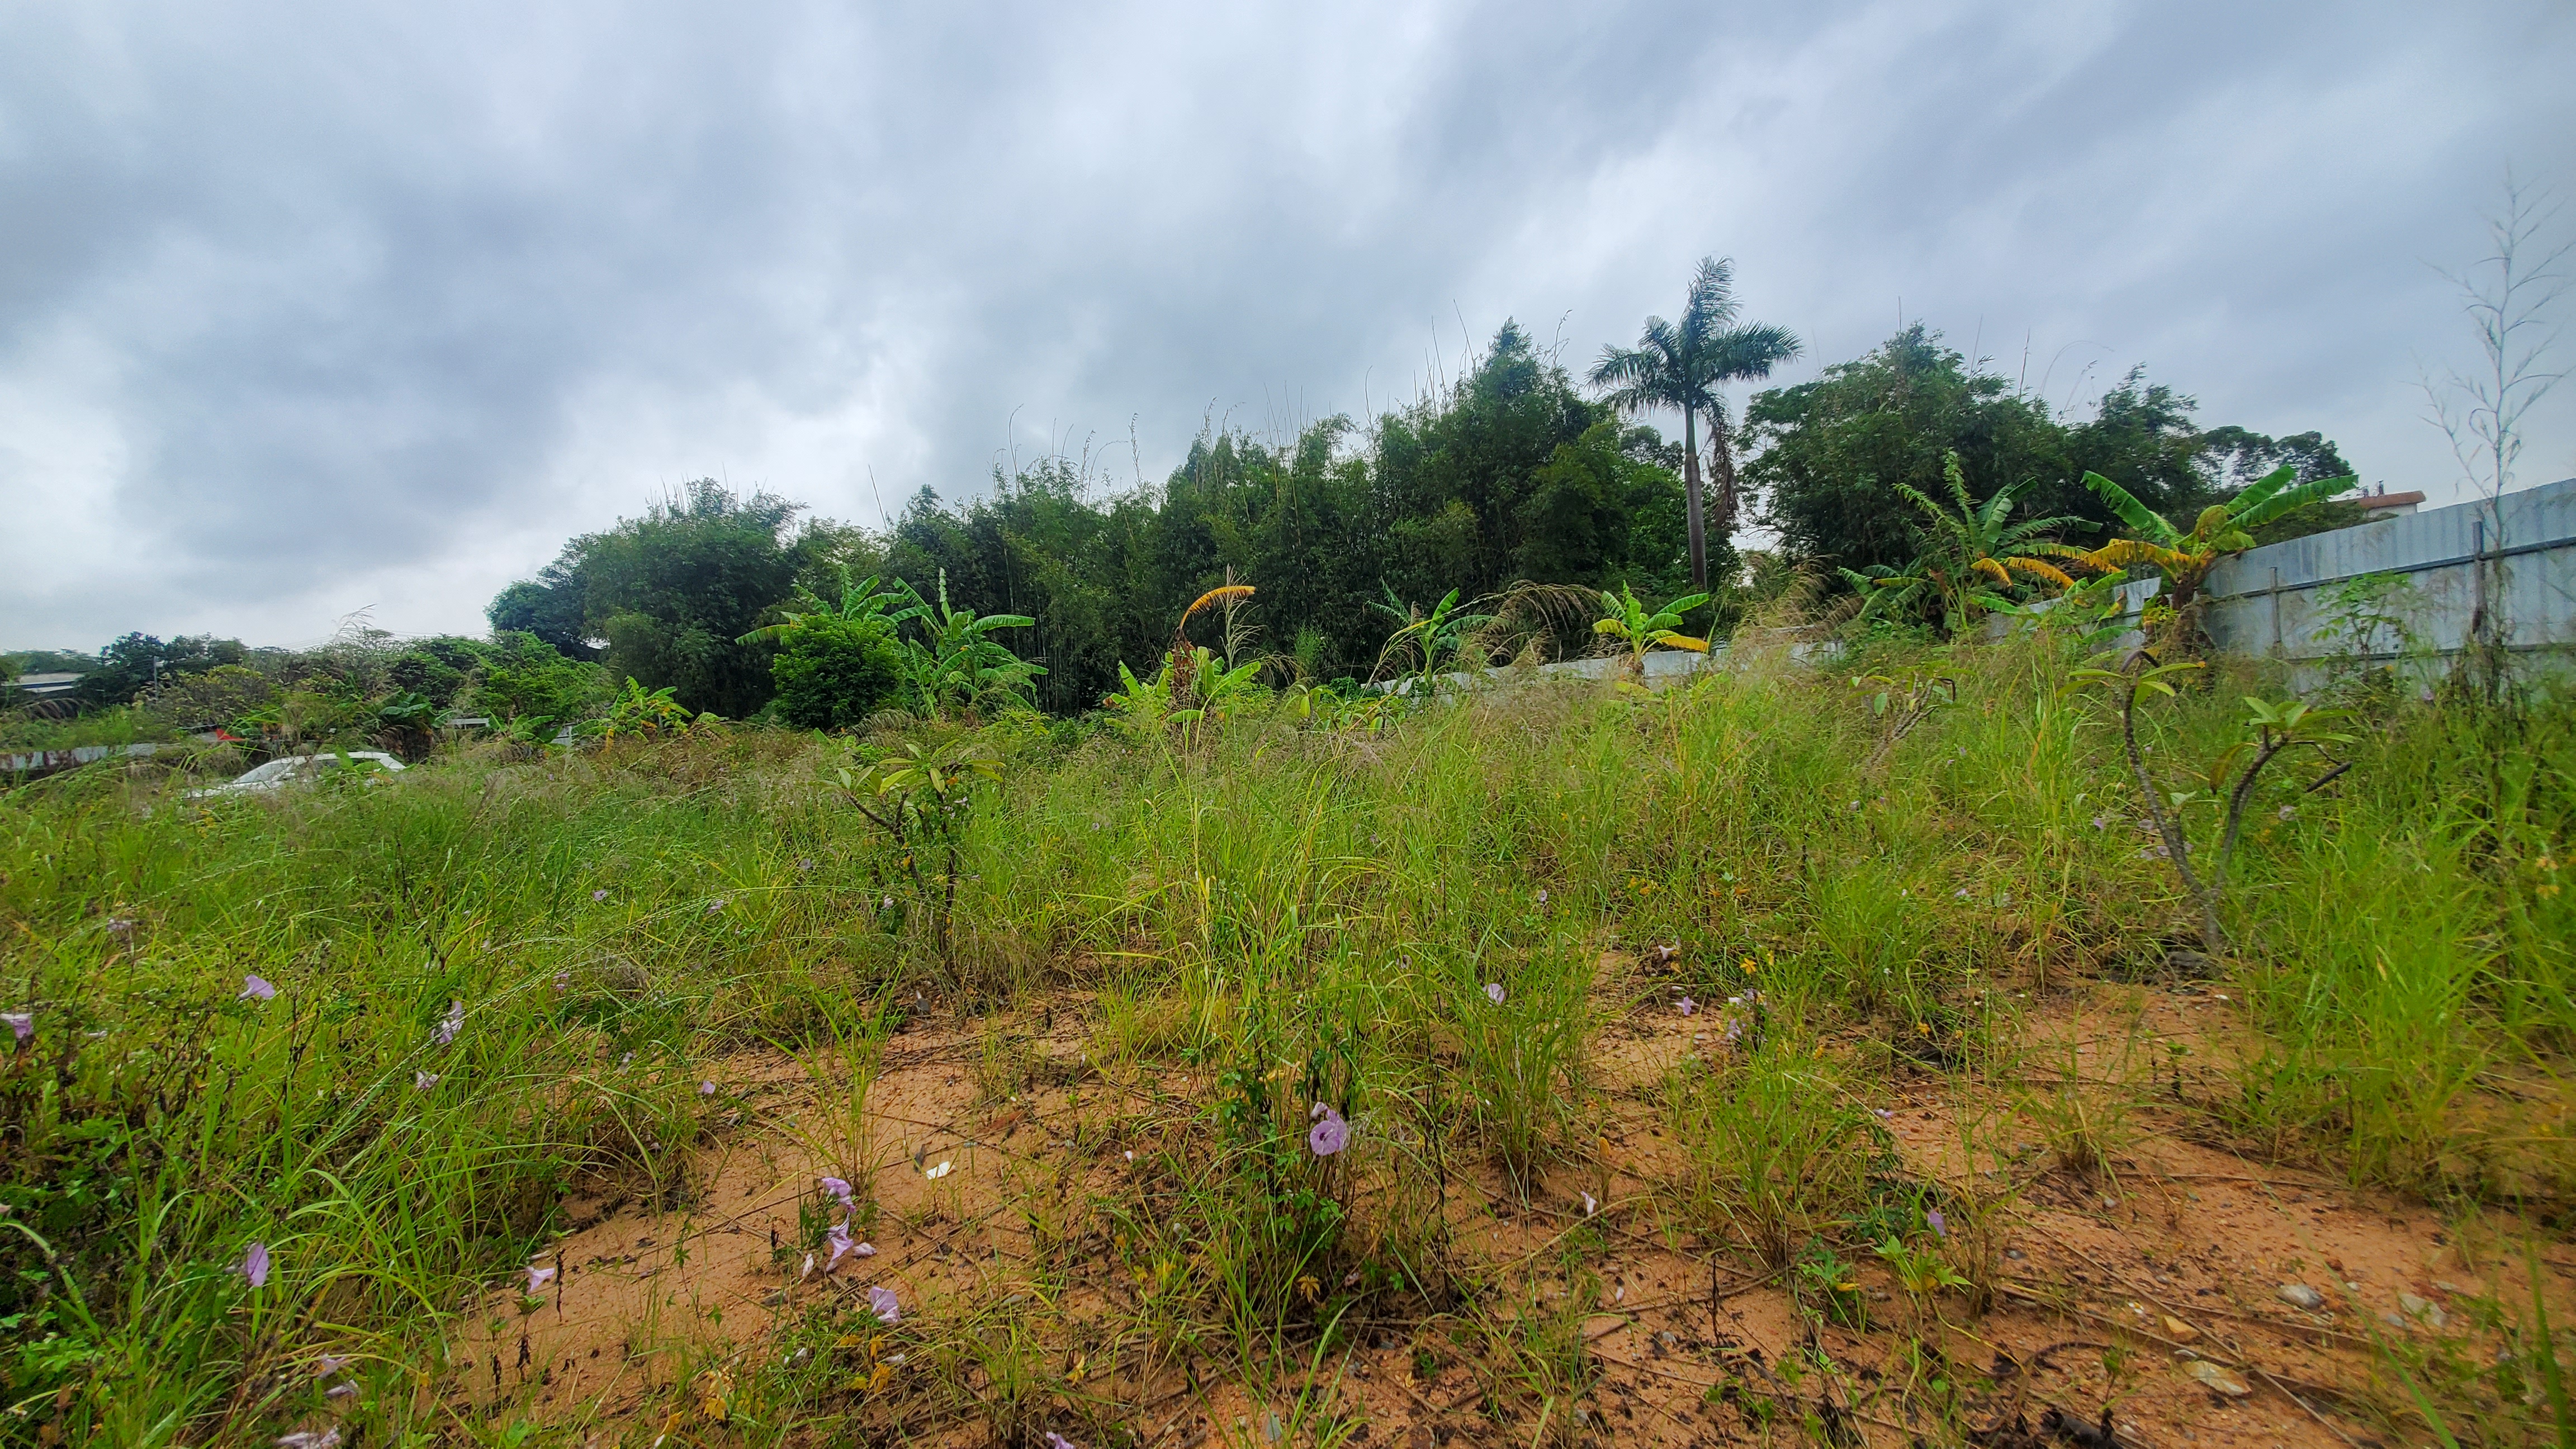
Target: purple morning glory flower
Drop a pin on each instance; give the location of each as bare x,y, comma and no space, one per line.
1331,1134
838,1239
1494,992
1055,1440
256,988
342,1390
1940,1225
452,1023
23,1023
839,1188
804,865
1882,1114
881,1301
1542,895
538,1278
423,1081
254,1265
328,1365
715,905
1688,1006
599,895
706,1088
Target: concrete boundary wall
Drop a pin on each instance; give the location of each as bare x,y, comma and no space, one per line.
2281,601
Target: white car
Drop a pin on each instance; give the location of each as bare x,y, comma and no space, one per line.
278,774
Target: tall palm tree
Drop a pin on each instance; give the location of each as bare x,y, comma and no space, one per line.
1686,366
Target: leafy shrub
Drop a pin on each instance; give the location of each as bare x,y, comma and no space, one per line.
835,672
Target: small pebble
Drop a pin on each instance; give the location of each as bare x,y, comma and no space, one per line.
2300,1295
2423,1308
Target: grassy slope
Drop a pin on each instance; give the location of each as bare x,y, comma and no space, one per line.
1333,902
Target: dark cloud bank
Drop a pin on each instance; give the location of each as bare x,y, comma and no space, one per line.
307,309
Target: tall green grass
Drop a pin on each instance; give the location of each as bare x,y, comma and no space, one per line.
1264,892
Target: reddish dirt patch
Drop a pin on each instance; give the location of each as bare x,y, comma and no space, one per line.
2112,1287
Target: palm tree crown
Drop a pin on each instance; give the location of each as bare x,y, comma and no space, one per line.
1685,366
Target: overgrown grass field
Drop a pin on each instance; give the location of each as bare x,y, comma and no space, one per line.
507,982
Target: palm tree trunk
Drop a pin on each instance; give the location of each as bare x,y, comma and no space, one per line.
1721,449
1693,519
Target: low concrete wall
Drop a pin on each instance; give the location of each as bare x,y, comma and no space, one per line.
43,762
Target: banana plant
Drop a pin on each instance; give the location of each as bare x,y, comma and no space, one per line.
923,794
1143,706
641,711
959,664
1427,640
2185,558
1629,622
860,603
1975,554
2092,611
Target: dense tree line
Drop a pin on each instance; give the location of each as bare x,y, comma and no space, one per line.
1828,455
1516,473
1513,474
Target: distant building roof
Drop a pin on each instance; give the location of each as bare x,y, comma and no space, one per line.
2385,502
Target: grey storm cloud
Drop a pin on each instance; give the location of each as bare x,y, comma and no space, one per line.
308,309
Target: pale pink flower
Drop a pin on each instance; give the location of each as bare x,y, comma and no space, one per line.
538,1278
1494,992
882,1302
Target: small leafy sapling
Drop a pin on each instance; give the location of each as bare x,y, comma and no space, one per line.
923,795
2277,728
1906,702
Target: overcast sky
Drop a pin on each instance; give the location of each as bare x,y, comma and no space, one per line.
318,308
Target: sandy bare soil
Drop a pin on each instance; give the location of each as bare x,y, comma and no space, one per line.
2149,1292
